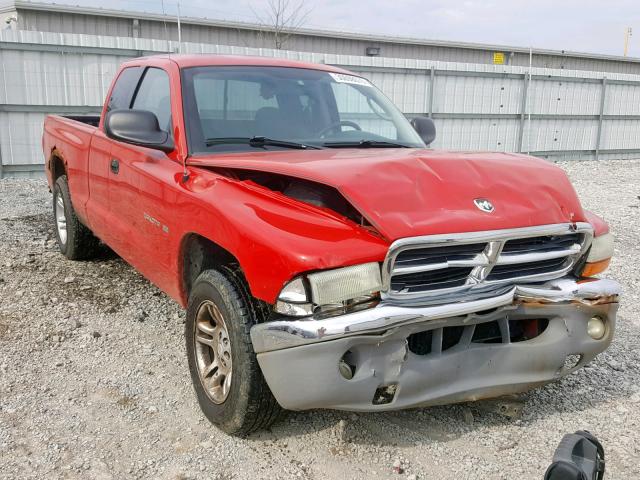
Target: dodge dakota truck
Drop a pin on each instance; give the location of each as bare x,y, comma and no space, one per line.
325,255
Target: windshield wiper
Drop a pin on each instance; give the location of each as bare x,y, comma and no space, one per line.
365,144
257,142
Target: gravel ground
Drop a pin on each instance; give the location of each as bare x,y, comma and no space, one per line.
94,381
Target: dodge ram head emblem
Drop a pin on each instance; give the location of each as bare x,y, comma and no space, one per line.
484,205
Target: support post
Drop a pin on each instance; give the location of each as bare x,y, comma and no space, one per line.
523,110
603,96
432,84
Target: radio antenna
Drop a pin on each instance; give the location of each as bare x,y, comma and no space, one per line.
185,172
179,30
164,22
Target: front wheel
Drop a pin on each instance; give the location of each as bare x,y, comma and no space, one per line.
224,370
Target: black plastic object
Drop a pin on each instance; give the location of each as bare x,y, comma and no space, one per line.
138,127
579,456
115,166
425,128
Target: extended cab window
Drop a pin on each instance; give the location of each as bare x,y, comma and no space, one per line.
154,95
125,86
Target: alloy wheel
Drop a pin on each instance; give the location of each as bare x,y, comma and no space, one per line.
213,352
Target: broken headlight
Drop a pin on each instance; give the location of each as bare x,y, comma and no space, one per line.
330,289
599,255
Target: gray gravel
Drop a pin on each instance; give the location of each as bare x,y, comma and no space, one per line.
94,381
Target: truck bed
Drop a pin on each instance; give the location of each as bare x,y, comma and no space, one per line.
93,120
69,137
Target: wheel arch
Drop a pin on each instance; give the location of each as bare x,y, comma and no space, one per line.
57,165
197,254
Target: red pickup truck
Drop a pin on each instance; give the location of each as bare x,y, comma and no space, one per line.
326,257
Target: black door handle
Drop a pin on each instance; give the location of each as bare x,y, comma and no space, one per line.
115,166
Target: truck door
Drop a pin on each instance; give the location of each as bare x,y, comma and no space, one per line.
142,191
101,216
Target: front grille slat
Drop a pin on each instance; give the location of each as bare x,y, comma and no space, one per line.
531,256
429,266
445,278
448,253
476,261
541,244
502,272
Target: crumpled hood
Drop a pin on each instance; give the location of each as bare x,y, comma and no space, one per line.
410,192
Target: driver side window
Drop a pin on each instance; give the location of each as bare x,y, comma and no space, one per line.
124,88
154,95
354,107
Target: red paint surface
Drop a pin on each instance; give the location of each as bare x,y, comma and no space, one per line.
408,192
402,192
600,227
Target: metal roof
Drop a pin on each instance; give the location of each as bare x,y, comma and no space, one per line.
13,5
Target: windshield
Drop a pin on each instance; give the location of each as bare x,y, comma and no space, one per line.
241,108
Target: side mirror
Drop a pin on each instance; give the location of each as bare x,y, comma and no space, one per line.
425,128
137,127
579,456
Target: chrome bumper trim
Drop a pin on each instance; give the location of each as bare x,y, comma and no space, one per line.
282,334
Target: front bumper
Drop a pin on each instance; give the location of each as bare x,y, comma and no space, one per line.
300,358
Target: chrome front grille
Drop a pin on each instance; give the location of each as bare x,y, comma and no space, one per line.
431,279
428,267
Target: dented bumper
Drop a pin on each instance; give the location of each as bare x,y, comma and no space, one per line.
300,359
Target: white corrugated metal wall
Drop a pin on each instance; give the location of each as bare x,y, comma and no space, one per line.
558,114
52,17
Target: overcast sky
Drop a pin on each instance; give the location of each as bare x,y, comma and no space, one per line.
576,25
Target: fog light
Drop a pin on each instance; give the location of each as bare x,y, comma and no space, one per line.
345,370
596,328
346,366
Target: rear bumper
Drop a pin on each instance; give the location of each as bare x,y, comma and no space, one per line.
300,358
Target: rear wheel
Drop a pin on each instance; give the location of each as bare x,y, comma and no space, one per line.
224,370
76,242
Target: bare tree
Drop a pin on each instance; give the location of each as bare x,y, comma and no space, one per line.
280,19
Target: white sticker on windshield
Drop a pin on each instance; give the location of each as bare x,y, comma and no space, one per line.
344,78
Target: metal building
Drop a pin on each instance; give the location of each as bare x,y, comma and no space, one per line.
554,113
48,17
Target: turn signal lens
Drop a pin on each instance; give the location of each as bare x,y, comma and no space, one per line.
294,291
599,255
592,269
293,300
294,309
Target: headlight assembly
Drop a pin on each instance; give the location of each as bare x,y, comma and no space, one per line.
599,255
330,288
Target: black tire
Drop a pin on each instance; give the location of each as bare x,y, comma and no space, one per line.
80,243
249,405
